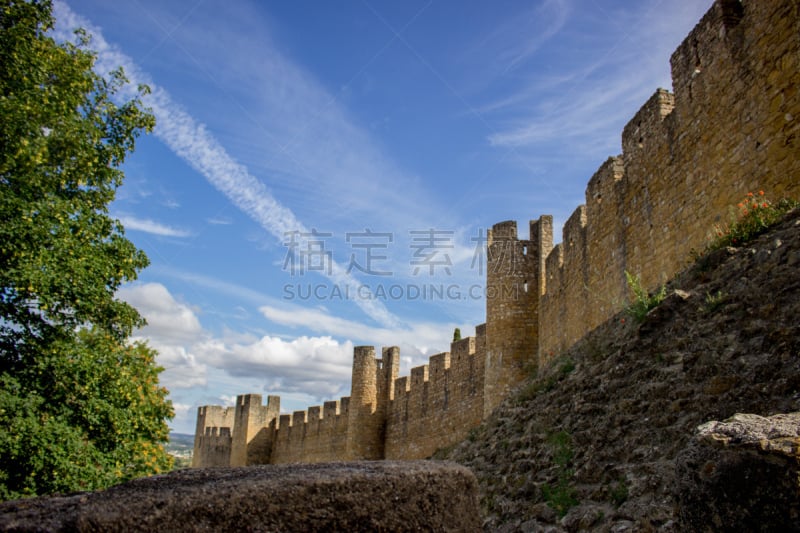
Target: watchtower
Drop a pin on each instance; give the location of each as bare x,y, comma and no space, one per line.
372,387
514,283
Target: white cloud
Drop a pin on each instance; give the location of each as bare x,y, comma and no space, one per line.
182,410
172,329
167,319
227,400
304,364
150,226
314,368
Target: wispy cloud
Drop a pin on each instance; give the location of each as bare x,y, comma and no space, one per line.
152,227
219,221
227,288
578,106
418,340
194,143
297,129
538,25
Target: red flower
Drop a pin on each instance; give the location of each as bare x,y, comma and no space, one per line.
761,193
749,195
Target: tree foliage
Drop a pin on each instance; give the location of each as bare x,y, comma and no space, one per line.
80,405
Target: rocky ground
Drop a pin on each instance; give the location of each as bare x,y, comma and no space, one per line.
591,443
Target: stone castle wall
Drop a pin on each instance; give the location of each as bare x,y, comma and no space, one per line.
386,417
730,127
439,403
213,439
315,435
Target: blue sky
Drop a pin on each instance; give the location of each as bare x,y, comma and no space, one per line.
322,174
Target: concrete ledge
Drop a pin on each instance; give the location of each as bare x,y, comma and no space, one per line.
357,496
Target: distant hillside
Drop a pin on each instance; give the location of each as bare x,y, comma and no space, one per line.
591,443
180,446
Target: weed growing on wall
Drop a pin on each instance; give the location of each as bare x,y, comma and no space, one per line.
714,301
754,215
643,301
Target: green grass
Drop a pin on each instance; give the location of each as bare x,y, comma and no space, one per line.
561,496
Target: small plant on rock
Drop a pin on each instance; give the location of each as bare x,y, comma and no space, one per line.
561,496
643,301
619,493
714,301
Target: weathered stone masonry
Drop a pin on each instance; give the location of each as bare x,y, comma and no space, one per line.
730,127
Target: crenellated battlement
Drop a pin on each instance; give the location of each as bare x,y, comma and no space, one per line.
731,126
437,402
445,394
648,128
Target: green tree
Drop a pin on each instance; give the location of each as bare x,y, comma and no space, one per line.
456,334
80,405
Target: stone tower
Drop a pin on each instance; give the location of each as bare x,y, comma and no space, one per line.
251,436
372,387
514,282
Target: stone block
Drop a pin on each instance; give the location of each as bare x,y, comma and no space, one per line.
360,496
741,475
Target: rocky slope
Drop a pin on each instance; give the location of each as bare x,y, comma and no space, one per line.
591,443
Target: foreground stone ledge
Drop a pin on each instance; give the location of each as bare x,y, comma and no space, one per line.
357,496
742,474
